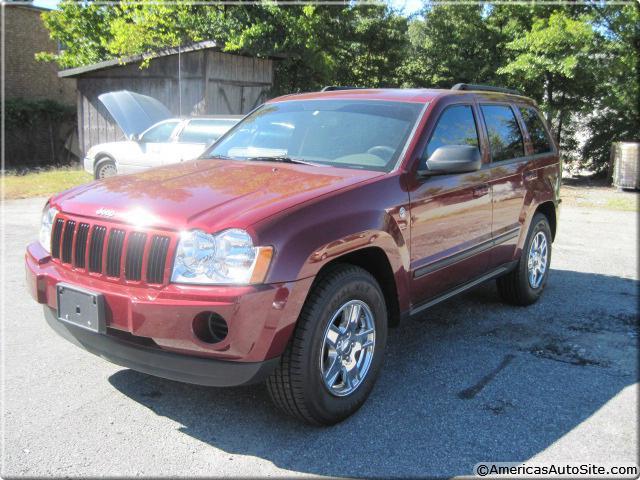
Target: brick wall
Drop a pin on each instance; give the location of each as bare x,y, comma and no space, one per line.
26,35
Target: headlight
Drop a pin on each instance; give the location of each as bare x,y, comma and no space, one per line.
48,215
226,258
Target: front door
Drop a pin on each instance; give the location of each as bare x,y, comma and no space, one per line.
450,214
154,145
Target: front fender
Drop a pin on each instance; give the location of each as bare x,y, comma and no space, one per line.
315,233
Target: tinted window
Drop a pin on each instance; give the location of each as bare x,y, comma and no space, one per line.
505,137
204,131
456,126
367,134
159,133
539,137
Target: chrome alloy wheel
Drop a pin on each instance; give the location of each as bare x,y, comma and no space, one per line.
347,348
537,260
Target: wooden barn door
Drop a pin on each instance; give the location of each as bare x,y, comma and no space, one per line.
234,99
253,97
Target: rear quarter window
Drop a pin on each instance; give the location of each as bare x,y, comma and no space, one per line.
540,140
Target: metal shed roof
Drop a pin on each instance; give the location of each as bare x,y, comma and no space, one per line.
117,62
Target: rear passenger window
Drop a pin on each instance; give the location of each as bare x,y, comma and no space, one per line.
456,126
539,136
505,137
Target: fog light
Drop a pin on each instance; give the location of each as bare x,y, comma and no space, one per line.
210,327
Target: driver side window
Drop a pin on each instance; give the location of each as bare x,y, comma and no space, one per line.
456,126
159,133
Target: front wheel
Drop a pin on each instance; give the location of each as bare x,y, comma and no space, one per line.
331,364
524,285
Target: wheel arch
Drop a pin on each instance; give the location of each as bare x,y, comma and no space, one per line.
101,158
548,209
375,261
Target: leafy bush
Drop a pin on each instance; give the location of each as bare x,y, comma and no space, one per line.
36,132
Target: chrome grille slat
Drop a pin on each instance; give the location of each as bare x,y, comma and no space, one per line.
96,248
56,237
114,252
67,241
81,245
135,250
157,258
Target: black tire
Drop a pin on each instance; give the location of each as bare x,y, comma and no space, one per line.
514,287
106,168
297,385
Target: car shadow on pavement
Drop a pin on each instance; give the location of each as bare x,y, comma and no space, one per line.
471,380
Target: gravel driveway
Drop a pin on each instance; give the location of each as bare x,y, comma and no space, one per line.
472,380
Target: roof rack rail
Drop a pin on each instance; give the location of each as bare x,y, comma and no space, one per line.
484,88
332,88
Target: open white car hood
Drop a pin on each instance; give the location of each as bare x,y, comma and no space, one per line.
133,112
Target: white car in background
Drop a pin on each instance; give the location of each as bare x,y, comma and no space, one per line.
153,138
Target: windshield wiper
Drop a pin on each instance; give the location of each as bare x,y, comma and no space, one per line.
283,159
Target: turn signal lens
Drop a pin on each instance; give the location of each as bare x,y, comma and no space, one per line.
261,266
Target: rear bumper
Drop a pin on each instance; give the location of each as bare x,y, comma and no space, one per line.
183,368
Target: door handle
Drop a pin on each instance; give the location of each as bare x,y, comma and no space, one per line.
480,191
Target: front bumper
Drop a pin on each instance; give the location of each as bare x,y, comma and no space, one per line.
260,320
183,368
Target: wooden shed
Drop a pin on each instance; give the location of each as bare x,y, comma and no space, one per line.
197,79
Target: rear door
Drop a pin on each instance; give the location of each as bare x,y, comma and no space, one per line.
510,167
450,214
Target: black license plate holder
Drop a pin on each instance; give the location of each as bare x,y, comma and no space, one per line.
80,307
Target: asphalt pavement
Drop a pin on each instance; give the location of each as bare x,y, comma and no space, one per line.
471,380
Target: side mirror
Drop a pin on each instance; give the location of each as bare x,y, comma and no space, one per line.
453,159
134,137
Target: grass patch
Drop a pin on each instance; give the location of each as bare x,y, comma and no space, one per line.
607,198
628,203
42,184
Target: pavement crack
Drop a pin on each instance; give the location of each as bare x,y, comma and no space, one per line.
471,392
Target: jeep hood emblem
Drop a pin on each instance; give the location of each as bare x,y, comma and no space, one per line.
105,212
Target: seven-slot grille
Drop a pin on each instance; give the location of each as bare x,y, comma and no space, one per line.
102,250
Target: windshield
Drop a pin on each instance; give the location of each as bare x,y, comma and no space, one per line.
344,133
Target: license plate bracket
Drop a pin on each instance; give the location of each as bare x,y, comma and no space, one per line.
82,308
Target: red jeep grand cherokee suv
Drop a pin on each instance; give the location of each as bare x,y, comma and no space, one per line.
286,251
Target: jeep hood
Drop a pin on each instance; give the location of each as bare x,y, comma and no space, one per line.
134,113
206,194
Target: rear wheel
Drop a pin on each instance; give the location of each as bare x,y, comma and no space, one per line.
106,168
335,354
524,285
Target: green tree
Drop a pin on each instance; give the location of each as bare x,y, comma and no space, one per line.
616,116
451,44
82,29
556,60
317,45
372,49
579,60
